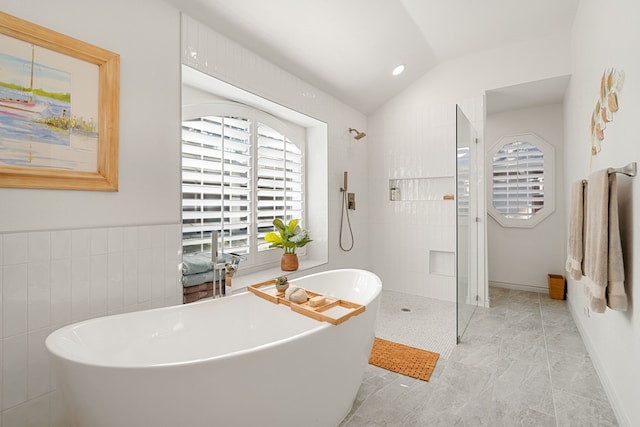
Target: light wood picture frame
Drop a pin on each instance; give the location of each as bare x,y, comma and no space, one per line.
65,135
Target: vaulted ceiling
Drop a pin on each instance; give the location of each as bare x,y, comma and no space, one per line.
348,48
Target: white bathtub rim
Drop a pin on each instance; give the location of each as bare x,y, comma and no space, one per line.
54,349
51,346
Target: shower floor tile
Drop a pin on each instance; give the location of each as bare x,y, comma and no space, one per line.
521,362
419,322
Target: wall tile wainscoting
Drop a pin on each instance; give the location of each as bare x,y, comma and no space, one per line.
53,278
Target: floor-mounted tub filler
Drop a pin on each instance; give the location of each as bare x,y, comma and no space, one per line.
234,361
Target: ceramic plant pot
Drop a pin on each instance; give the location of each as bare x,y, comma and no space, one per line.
282,284
289,262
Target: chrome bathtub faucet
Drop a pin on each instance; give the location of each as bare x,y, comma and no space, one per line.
224,270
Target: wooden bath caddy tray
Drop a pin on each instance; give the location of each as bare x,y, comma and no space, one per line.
317,313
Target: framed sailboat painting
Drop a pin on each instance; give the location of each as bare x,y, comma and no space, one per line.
59,108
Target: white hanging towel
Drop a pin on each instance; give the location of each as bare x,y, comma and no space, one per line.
575,250
603,262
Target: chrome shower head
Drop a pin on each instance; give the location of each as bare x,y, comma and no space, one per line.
359,135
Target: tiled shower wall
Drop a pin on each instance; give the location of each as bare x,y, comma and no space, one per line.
415,238
52,278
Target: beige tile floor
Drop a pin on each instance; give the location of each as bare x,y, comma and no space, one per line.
521,363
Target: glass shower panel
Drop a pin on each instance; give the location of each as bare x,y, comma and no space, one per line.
466,260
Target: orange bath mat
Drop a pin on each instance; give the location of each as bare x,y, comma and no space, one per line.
410,361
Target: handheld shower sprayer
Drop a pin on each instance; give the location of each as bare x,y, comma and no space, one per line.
359,135
345,210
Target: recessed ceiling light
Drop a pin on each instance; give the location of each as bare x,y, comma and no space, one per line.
398,70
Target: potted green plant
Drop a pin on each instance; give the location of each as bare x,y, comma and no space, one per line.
282,284
288,237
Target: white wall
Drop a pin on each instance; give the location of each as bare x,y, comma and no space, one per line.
606,36
524,256
212,53
414,135
149,162
67,256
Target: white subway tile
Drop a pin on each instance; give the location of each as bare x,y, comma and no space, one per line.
175,300
130,239
14,299
60,292
99,241
173,236
157,273
192,44
1,318
58,414
1,377
61,244
115,289
39,294
80,243
145,266
158,303
51,278
38,369
14,371
53,374
33,413
38,411
212,53
156,233
80,283
115,240
39,246
98,289
14,248
172,270
130,278
16,416
144,237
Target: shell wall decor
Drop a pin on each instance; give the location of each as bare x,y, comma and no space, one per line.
610,85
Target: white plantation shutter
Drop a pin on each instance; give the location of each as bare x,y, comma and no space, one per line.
216,183
518,180
464,180
238,174
280,181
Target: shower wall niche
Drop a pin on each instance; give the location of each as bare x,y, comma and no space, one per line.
425,188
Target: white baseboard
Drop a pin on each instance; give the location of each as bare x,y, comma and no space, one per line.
518,287
618,410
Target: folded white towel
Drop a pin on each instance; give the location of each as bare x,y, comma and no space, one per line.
603,262
576,231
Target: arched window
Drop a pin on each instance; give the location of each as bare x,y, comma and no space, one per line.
241,168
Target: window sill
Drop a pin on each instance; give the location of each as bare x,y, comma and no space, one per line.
241,281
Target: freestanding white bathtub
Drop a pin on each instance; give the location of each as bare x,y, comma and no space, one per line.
235,361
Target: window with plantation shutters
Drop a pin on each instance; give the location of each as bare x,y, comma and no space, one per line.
518,180
238,174
216,183
279,181
522,180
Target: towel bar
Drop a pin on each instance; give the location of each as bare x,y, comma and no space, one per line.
631,169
